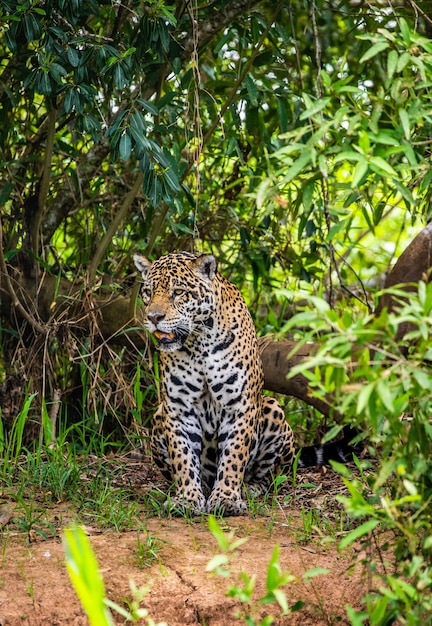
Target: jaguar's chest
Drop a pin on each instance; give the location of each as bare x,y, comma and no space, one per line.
208,377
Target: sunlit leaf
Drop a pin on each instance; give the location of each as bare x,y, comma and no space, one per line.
360,171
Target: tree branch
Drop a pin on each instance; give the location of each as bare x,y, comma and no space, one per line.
64,201
107,238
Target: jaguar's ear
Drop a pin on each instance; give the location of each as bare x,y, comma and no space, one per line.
206,266
142,264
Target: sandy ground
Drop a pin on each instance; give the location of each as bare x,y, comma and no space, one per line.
35,588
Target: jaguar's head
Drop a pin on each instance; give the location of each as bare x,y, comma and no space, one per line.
177,295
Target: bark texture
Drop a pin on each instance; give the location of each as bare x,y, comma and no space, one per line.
278,361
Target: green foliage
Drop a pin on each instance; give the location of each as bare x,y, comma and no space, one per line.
346,117
11,442
87,580
84,574
382,384
292,140
350,161
279,138
243,591
147,550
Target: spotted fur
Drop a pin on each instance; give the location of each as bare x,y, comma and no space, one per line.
215,434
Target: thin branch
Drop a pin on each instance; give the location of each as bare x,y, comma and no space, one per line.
417,9
64,202
214,24
107,238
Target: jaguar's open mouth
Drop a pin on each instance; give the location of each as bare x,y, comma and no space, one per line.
164,337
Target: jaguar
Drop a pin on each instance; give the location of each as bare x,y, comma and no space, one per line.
215,435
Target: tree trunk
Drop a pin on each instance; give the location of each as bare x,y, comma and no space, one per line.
413,265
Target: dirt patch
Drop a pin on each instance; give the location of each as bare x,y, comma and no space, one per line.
35,587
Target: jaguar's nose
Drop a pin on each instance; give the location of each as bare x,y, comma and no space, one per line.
155,317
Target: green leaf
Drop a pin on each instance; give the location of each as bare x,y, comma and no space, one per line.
348,155
364,397
313,108
403,60
385,139
252,90
405,193
404,118
149,106
120,79
406,33
298,166
315,571
217,562
245,236
385,395
281,599
57,72
392,59
73,56
360,171
356,618
379,165
31,27
379,610
43,83
360,531
364,142
337,228
125,146
374,50
47,425
332,433
172,179
273,570
155,192
84,573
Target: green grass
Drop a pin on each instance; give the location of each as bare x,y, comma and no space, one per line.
76,477
148,548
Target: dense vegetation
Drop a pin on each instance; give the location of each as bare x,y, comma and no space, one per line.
292,140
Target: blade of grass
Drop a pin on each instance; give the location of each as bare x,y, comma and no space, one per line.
84,573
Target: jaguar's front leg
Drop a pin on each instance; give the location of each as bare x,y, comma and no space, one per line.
236,442
176,443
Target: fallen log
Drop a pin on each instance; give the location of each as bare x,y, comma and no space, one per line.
278,358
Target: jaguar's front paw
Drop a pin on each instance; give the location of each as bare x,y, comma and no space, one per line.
182,506
223,504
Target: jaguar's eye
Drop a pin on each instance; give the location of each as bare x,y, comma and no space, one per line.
178,291
146,293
